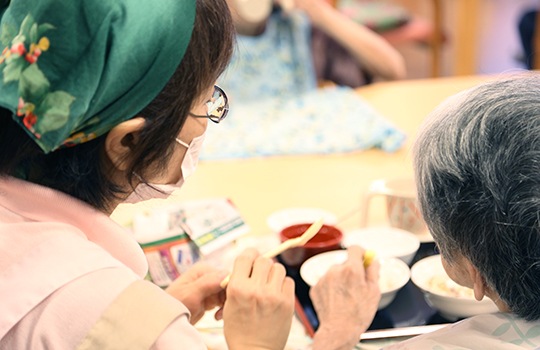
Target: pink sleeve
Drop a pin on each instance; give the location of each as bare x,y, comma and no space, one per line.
180,335
63,319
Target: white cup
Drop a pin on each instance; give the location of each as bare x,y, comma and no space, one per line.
401,205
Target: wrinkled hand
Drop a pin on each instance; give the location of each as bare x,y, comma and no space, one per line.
198,289
346,298
260,304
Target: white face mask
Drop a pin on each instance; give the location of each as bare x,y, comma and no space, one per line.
145,192
191,159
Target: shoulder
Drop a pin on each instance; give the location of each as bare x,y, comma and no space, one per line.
489,331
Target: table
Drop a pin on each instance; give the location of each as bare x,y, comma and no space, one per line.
261,186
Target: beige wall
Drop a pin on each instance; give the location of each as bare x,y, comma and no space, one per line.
481,36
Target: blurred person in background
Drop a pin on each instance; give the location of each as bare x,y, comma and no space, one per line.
287,47
527,27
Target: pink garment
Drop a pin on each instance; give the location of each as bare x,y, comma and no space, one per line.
61,264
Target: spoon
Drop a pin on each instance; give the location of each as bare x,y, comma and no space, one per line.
290,243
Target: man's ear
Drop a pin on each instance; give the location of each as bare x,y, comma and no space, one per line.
479,285
120,141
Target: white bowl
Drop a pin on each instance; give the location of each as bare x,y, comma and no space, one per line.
385,241
450,299
394,273
278,220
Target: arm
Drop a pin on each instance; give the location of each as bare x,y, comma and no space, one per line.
346,300
370,50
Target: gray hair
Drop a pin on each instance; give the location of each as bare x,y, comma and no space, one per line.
477,170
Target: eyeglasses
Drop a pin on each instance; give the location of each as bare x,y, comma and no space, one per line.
218,106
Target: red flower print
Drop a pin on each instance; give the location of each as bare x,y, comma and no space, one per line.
30,120
30,58
34,53
18,48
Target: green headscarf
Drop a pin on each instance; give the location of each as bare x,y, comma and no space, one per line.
73,69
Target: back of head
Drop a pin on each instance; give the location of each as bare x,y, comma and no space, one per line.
477,163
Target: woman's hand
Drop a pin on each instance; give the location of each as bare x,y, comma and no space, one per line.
260,304
198,289
346,300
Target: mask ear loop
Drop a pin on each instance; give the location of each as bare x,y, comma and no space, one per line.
182,143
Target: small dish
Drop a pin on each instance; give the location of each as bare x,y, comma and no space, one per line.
385,241
280,219
328,238
394,273
425,237
452,300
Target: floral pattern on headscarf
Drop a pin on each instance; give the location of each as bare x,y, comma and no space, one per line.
19,64
70,71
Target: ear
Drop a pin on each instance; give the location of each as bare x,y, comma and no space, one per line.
479,285
120,141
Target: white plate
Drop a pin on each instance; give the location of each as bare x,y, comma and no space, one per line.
385,241
424,237
292,216
394,273
452,305
315,267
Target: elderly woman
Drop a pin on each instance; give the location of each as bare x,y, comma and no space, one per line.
103,102
477,164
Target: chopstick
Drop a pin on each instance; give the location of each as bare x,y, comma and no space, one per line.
290,243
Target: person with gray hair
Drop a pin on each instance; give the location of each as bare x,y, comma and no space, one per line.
477,170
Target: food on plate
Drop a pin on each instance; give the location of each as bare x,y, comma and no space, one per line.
368,258
443,285
388,282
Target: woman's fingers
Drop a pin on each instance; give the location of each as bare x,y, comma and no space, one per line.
276,277
243,264
261,270
259,297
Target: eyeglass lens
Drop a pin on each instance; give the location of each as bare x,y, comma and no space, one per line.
217,106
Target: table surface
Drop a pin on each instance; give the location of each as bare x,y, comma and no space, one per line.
337,182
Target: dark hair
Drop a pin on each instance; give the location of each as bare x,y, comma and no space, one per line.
80,171
477,165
